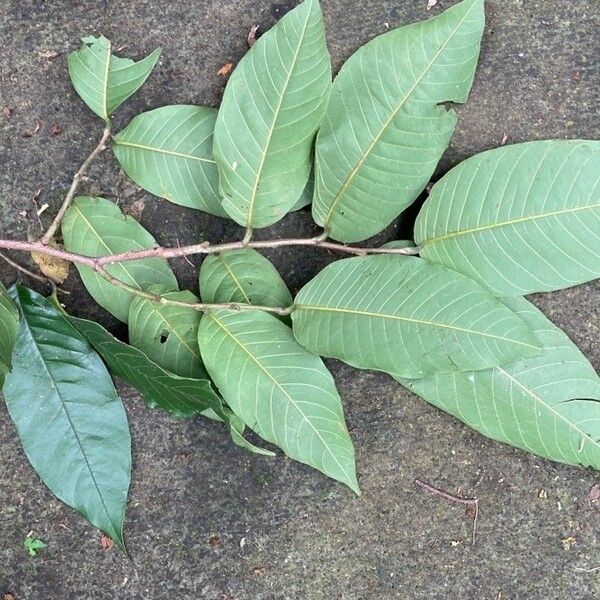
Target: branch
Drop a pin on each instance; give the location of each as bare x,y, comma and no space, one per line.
47,237
203,248
21,268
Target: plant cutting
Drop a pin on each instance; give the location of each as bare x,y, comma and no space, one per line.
444,314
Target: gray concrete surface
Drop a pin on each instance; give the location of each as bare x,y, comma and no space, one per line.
207,520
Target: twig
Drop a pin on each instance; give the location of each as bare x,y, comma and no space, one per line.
592,570
19,267
203,248
47,237
472,503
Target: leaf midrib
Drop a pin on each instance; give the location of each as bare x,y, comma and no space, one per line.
411,320
508,223
105,87
118,142
71,425
385,125
274,122
235,279
278,385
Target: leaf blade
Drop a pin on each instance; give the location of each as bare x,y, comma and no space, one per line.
104,81
547,404
400,314
168,151
262,173
279,375
519,219
384,131
9,324
97,227
63,402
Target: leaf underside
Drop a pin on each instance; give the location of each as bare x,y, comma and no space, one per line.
384,131
168,151
280,390
547,404
9,324
97,227
168,334
243,276
72,424
271,109
104,81
519,219
400,314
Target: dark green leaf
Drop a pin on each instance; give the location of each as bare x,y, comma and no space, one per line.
97,227
168,151
401,314
70,420
103,80
547,404
384,130
9,323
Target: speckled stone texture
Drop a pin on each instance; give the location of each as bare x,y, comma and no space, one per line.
208,520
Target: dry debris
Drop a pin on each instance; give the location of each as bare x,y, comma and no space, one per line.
225,69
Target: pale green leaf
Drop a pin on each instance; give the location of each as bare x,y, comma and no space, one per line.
168,151
9,323
97,227
402,315
519,219
71,422
306,197
103,80
243,276
384,130
547,404
167,334
279,389
272,107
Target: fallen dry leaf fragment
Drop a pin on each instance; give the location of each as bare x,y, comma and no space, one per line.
569,542
9,596
106,542
504,139
225,69
54,268
8,111
594,493
431,4
252,36
214,541
55,129
49,54
543,494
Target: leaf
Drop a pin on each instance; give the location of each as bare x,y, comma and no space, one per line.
547,404
168,334
33,545
103,80
70,420
9,323
271,110
97,227
179,396
243,276
519,219
384,130
306,197
54,268
398,244
168,151
401,315
281,391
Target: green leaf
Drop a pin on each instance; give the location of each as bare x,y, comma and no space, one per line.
103,80
168,334
9,323
271,110
243,276
280,390
97,227
168,151
306,197
179,396
70,420
547,404
384,130
401,315
519,219
398,244
33,546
